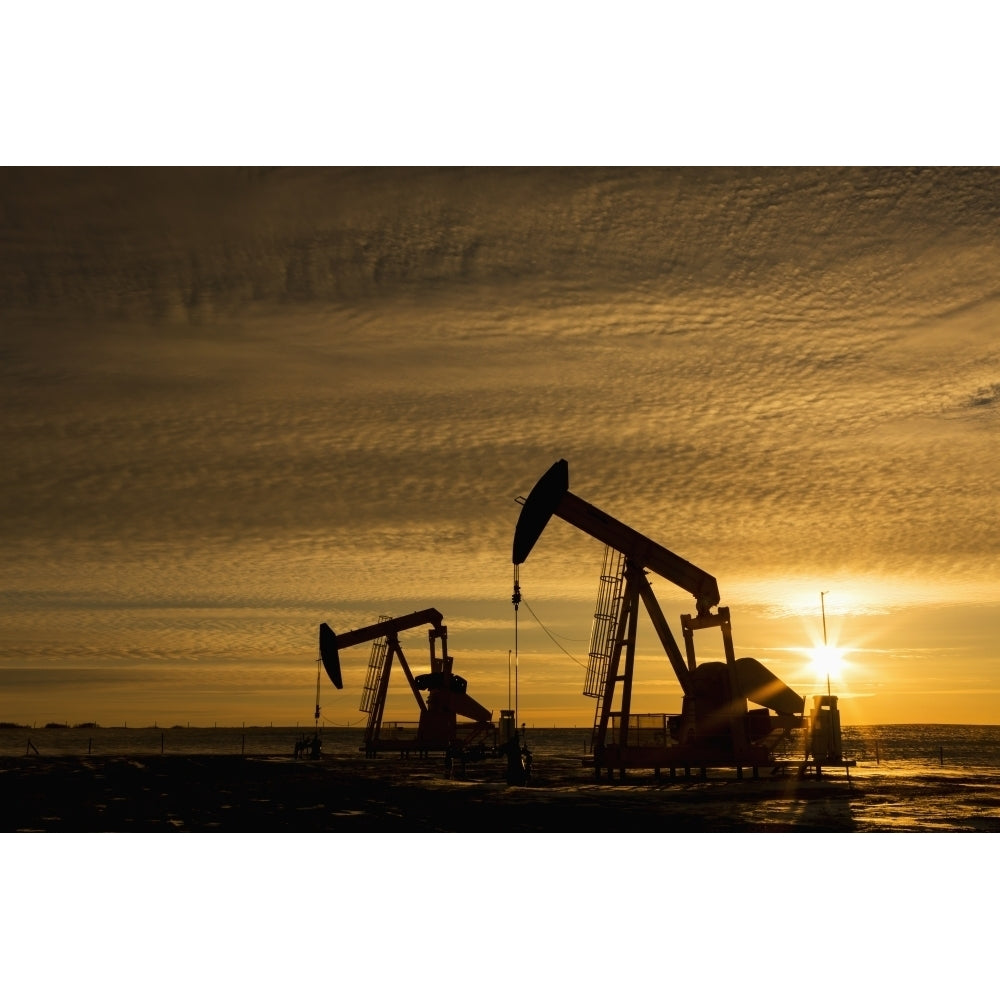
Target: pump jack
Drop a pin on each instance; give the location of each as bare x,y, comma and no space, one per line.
438,728
715,726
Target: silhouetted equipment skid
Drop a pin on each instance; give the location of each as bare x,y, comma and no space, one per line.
715,727
438,727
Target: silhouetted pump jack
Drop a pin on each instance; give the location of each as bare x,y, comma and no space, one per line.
715,726
437,727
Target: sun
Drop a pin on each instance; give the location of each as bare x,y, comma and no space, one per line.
827,663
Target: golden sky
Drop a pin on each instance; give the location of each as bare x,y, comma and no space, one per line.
239,402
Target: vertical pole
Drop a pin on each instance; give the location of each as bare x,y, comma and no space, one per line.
508,679
319,663
626,702
516,601
822,605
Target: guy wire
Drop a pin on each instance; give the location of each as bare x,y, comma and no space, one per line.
551,636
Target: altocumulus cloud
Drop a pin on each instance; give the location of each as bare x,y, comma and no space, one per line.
289,389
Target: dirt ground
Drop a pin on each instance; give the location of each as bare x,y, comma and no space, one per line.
272,794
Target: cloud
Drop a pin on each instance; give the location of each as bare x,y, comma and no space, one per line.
304,389
987,395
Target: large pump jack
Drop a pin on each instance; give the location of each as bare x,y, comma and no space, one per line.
438,727
715,726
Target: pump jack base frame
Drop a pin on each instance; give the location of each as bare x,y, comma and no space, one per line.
687,763
803,767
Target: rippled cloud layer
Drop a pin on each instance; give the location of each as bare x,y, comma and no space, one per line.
239,402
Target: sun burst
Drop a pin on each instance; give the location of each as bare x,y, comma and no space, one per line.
827,663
